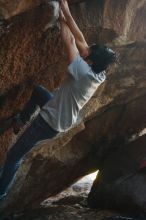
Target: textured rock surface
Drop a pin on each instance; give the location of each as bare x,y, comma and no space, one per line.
122,179
31,54
113,124
65,212
69,204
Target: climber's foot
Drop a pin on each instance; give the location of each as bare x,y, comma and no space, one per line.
17,124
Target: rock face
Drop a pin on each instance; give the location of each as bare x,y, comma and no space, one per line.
32,53
121,183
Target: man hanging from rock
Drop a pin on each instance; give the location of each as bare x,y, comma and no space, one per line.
59,111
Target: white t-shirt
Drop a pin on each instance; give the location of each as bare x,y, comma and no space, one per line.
62,112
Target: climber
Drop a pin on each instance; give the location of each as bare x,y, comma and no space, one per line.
59,110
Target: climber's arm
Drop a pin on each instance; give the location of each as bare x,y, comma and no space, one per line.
68,39
79,37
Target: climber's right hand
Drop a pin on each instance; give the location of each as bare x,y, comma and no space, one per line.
65,8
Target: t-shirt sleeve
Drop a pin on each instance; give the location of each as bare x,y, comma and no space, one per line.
78,68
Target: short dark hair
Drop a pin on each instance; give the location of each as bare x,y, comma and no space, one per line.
101,56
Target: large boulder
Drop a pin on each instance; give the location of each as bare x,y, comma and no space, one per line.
109,125
32,53
121,181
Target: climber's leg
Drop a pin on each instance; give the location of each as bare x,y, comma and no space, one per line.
40,96
39,130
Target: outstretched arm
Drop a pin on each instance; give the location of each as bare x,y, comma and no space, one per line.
79,37
68,39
